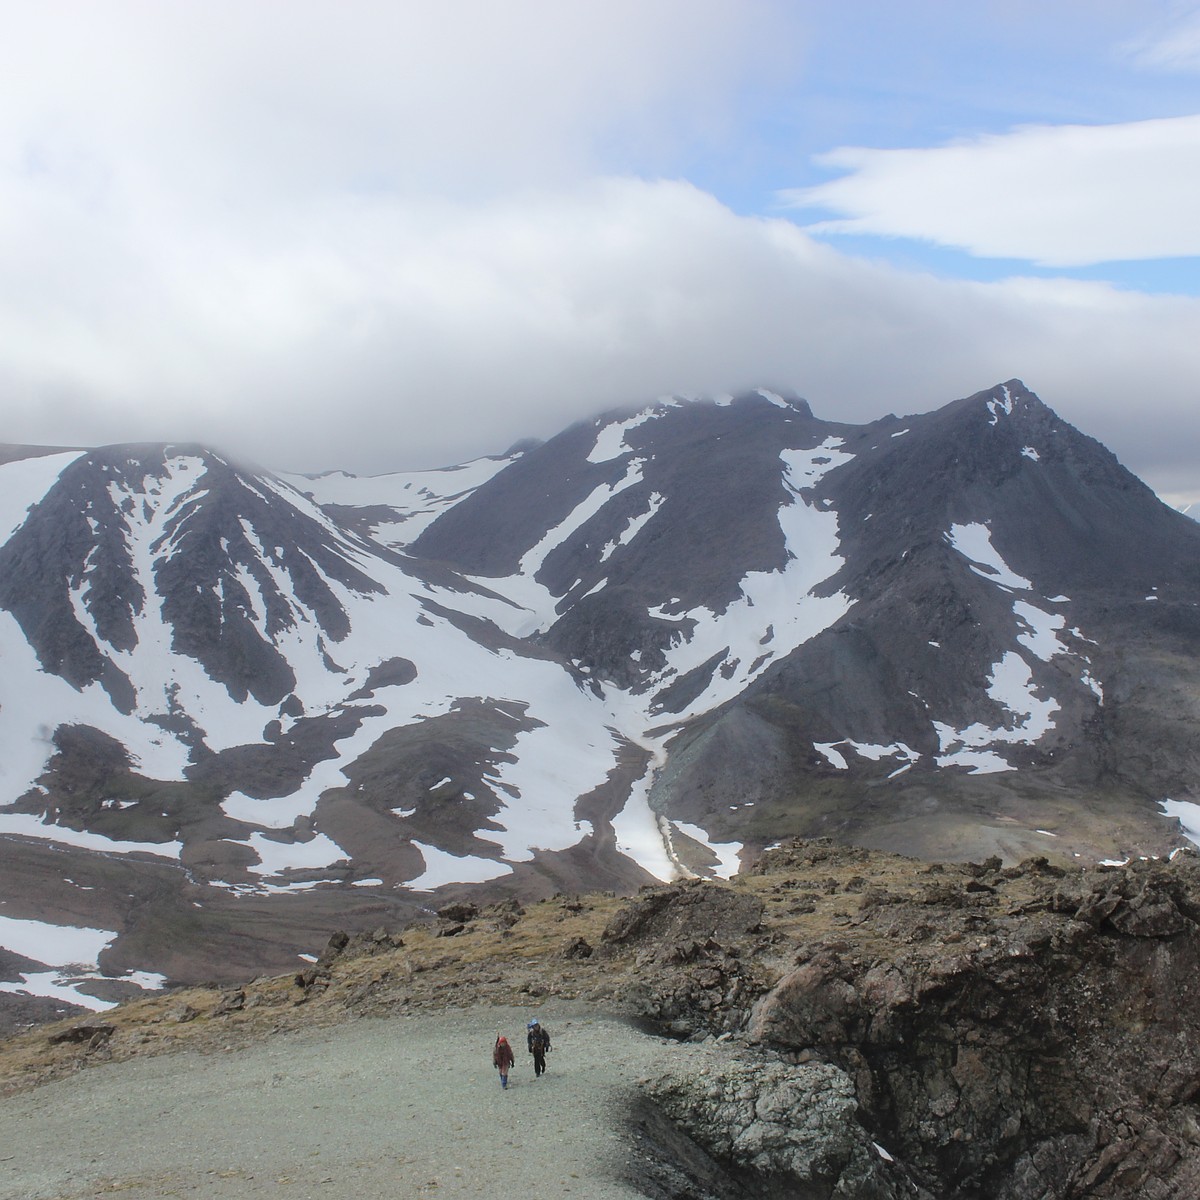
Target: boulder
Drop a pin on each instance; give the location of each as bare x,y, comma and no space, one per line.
458,914
778,1129
577,947
684,912
94,1033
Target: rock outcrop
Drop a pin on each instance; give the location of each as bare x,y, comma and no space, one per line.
688,939
777,1129
1016,1033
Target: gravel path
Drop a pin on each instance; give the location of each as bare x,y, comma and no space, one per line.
408,1107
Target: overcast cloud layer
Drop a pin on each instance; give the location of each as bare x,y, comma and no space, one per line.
381,236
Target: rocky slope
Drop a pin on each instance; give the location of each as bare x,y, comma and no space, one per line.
238,711
851,1023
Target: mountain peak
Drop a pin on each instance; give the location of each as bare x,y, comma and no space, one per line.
656,643
781,399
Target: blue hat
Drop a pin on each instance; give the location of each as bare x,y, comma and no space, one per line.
532,1023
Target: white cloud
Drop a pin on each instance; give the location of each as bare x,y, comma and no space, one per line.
386,235
1174,46
417,335
1054,195
227,105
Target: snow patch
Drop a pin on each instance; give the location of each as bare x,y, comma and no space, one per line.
28,825
273,813
1041,630
633,526
638,831
441,868
1011,686
1089,681
728,862
276,857
974,543
773,398
24,483
71,952
780,601
610,441
1188,816
996,407
832,755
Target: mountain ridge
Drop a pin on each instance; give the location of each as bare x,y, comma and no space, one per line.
653,645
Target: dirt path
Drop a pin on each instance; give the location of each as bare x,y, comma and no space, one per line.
408,1107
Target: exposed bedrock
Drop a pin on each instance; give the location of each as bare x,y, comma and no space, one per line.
1046,1050
777,1131
874,1026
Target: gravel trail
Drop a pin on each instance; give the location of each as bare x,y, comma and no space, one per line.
407,1107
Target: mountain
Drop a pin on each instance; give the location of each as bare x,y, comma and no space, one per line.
241,710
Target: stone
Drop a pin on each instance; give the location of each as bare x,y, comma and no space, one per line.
688,911
577,947
458,914
230,1002
91,1032
780,1129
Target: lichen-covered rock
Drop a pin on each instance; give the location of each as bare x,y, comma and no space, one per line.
1043,1051
781,1130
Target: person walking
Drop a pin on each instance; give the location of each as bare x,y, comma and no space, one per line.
539,1043
502,1058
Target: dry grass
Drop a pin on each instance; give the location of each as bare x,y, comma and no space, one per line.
812,896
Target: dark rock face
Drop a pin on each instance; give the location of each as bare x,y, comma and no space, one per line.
687,936
928,626
716,469
1047,1051
226,522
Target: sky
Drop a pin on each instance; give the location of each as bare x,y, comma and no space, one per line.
384,236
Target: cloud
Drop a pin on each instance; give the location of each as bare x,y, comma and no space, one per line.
407,335
231,105
1173,46
1053,195
389,236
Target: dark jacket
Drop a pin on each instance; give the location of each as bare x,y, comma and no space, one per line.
539,1040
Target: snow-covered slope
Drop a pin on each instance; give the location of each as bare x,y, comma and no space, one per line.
246,707
395,509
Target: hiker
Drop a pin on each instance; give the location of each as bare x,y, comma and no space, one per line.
502,1058
539,1043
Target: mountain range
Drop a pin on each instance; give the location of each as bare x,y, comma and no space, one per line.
240,710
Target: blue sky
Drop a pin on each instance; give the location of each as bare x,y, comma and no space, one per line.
380,235
910,78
